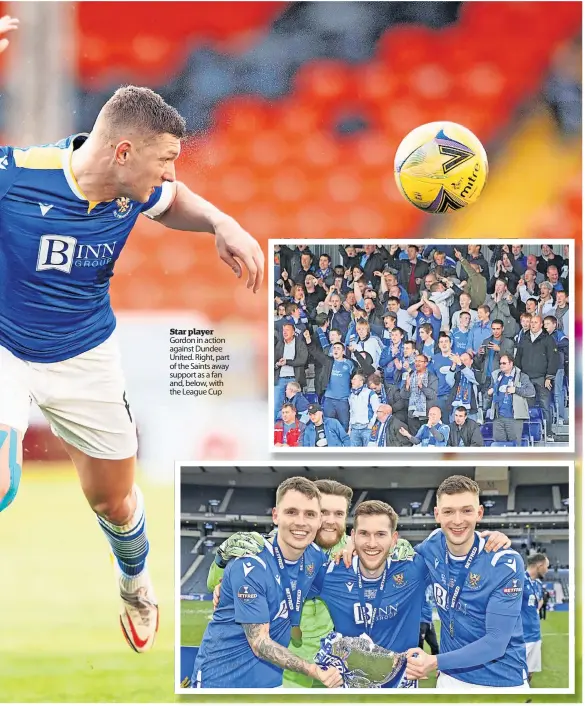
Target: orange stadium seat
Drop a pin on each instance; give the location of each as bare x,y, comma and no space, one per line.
152,45
279,167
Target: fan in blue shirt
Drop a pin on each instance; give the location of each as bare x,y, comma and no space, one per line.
478,597
245,644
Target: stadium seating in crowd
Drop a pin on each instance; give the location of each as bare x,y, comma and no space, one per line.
378,299
197,552
197,582
298,109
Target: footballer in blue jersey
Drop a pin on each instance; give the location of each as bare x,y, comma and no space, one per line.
478,597
260,603
66,211
536,568
427,627
375,595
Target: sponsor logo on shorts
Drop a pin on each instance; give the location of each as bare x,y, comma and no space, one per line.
245,594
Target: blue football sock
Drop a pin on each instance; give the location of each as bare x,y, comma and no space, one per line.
128,542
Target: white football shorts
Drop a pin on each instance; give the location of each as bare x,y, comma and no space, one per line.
83,399
534,656
450,683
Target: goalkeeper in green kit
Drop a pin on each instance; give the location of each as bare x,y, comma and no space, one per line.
332,537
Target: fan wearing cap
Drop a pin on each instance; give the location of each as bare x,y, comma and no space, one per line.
323,431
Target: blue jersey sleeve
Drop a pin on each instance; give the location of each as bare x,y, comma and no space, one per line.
8,170
505,602
160,200
428,546
506,599
248,583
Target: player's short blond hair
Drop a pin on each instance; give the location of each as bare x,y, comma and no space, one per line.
301,485
333,487
142,109
457,484
376,507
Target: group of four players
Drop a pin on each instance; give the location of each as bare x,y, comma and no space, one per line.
280,596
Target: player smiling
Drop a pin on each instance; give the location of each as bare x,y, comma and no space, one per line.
315,622
260,602
478,596
66,211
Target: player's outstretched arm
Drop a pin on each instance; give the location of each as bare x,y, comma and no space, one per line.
264,647
214,576
238,544
235,246
7,24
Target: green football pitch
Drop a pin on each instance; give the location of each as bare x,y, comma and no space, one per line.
555,631
60,639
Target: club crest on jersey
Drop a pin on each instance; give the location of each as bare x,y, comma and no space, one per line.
399,580
244,594
310,570
123,207
513,587
473,580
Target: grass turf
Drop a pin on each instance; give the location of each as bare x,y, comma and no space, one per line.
555,668
61,640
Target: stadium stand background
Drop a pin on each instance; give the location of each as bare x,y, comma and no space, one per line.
519,500
296,110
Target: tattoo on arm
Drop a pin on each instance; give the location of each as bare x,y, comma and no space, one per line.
264,647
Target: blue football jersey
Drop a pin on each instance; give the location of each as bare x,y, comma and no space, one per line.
530,616
252,591
397,619
57,253
494,581
427,607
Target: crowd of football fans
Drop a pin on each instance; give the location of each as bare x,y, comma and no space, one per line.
402,345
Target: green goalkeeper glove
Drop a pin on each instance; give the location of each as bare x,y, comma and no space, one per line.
239,544
402,551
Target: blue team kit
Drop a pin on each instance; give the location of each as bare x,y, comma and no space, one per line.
255,590
57,254
479,599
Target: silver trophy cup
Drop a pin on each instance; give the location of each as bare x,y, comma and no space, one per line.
362,664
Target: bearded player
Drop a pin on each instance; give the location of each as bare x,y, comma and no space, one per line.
388,577
536,567
315,622
66,211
